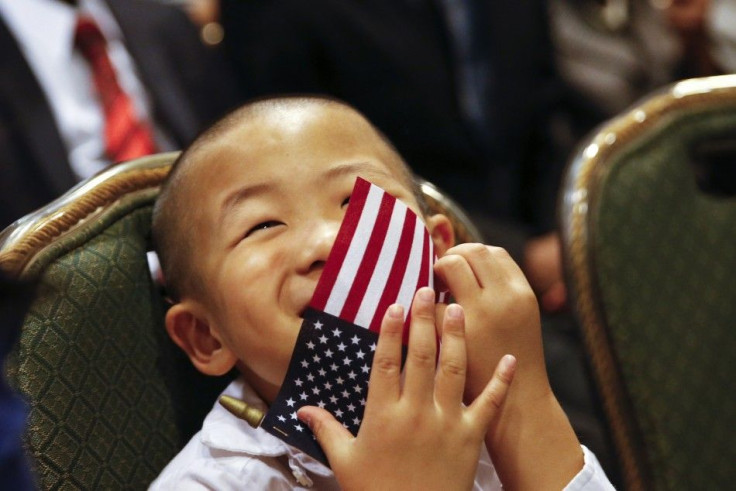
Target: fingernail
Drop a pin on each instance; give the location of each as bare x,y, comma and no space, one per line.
304,418
454,311
508,363
396,311
426,295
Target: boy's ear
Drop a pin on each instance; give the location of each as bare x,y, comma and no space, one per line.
443,235
189,329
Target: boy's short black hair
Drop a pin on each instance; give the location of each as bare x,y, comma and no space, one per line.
173,208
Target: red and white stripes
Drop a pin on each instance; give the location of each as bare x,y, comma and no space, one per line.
382,255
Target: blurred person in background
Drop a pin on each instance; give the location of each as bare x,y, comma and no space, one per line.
135,80
613,52
721,26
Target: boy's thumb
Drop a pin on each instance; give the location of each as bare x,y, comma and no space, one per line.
330,434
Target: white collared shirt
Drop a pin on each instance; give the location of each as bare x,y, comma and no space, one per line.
229,454
45,32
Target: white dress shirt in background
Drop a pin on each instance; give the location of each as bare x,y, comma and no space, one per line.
45,32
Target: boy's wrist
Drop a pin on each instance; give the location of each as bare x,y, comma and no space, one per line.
534,428
530,382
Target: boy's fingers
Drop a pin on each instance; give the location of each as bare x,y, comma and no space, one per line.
456,273
330,434
385,381
450,380
488,403
482,260
421,357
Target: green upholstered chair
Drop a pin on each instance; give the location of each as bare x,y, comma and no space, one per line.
648,218
112,399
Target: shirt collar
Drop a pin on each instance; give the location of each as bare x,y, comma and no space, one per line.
45,28
42,26
221,430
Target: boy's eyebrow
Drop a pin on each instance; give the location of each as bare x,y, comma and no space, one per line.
240,195
357,168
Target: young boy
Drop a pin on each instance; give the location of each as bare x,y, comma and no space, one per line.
244,226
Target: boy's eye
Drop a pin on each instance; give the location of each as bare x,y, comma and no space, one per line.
345,201
262,226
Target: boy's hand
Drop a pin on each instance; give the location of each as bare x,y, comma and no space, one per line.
531,441
502,315
415,435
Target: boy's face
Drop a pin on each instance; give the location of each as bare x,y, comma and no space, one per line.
276,193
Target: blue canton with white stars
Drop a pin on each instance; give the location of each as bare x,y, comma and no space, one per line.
329,368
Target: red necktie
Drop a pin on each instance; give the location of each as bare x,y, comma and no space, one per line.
126,136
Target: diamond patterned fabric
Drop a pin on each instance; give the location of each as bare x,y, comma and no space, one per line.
666,260
112,399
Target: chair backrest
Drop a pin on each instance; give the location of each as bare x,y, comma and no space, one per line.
649,244
112,399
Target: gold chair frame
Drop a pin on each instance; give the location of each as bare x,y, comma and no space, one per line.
589,166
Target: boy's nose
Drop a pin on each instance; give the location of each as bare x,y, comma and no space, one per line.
316,246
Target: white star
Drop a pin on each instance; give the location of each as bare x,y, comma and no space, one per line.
315,391
298,382
323,339
290,402
373,347
340,380
303,396
333,399
362,402
281,418
293,415
347,361
341,347
321,404
333,367
356,421
328,353
305,363
310,345
318,325
338,413
310,377
365,369
351,407
316,358
298,428
355,339
360,354
322,372
352,375
345,393
358,389
328,386
336,332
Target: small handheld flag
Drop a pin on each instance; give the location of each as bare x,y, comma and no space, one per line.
382,255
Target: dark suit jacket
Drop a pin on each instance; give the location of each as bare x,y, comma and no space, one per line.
188,84
391,59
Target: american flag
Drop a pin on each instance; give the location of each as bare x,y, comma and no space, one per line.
382,255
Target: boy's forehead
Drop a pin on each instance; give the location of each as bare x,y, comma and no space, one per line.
329,121
314,134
